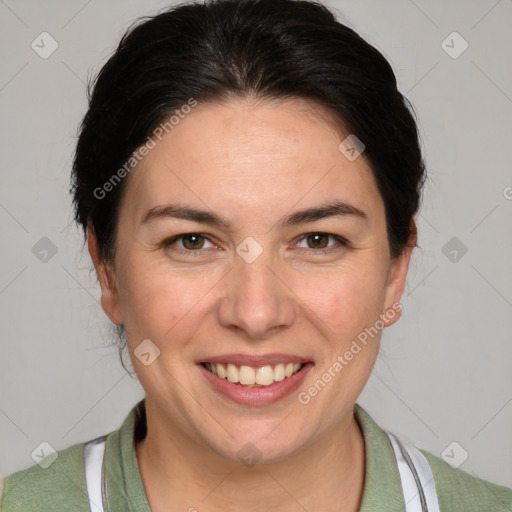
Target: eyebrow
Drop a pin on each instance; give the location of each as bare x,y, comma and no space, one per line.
312,214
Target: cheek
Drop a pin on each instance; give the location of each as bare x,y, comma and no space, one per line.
345,309
346,300
162,305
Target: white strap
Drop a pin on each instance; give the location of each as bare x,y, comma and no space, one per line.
93,460
418,484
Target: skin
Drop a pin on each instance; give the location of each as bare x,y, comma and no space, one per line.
253,163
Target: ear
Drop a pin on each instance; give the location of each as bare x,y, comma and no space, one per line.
397,277
106,277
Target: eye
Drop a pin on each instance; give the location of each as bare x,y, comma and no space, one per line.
193,242
319,241
189,242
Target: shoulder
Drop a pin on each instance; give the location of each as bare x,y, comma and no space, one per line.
55,483
58,482
458,490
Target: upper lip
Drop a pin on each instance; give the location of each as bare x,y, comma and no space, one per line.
255,360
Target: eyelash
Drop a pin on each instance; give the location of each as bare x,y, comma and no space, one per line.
340,240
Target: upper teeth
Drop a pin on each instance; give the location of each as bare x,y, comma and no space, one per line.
246,375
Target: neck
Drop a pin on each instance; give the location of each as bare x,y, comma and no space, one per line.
180,474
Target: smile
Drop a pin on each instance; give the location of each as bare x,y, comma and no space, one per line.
254,380
249,376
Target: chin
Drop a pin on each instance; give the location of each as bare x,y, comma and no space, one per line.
250,451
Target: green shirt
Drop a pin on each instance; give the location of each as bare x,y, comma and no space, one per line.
62,486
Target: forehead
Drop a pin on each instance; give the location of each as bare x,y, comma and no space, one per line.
248,154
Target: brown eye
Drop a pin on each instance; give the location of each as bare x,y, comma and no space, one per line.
320,241
317,240
193,241
189,242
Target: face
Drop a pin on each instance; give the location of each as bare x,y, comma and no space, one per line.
254,281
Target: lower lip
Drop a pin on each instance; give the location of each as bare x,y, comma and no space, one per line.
257,395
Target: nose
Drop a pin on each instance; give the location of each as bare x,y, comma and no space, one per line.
256,300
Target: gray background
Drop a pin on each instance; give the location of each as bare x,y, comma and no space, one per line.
444,370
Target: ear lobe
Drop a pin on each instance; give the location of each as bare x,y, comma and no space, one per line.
397,279
106,278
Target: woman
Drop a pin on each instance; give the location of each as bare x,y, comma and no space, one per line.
247,177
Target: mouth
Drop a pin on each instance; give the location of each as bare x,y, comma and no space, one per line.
255,380
249,376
